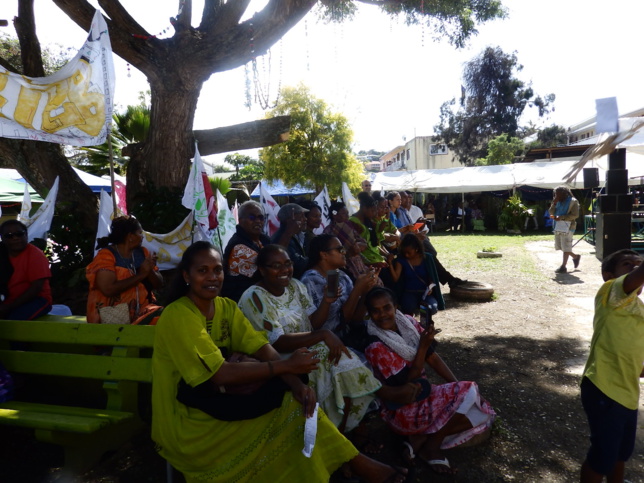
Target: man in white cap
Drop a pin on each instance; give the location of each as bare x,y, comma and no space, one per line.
291,235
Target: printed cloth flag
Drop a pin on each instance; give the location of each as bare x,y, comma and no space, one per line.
198,196
352,204
324,202
105,217
169,247
39,224
72,106
227,224
119,192
25,210
270,210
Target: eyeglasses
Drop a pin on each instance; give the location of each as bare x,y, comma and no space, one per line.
339,249
280,266
13,234
261,218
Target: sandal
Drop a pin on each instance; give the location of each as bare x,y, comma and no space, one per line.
441,467
408,453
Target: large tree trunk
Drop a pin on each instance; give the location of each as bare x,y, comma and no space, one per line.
163,160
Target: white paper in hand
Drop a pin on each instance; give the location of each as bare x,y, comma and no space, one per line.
310,431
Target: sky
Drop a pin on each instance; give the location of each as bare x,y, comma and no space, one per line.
390,79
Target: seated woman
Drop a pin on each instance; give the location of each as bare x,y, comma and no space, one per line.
364,223
443,416
24,275
386,231
193,332
281,306
416,277
242,249
328,254
352,242
123,274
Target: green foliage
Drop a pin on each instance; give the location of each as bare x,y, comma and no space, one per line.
513,214
550,137
493,103
502,150
71,248
455,20
318,151
54,56
221,184
161,210
250,172
129,127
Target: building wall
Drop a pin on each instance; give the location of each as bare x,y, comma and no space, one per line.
415,154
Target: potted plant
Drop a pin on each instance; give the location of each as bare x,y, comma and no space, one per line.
513,215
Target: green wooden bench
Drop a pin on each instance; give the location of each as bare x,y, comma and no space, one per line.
50,348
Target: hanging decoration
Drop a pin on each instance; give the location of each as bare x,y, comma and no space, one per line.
262,90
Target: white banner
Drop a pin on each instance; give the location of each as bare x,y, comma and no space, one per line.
169,247
324,202
352,204
72,106
25,210
198,197
270,209
39,224
227,224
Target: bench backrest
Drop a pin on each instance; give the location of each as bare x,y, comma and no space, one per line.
76,349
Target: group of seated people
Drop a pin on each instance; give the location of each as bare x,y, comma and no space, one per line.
235,321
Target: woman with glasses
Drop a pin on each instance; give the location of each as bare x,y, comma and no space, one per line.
122,277
242,249
24,275
327,255
281,306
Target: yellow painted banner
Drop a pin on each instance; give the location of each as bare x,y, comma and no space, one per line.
72,106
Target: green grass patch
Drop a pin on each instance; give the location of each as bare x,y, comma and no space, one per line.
458,252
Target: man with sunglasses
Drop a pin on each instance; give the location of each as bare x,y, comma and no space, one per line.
24,275
241,252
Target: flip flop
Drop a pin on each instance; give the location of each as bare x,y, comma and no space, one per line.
444,463
408,453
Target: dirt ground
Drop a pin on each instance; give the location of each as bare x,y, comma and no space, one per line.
526,350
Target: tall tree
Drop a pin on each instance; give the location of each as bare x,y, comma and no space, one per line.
493,102
318,151
177,67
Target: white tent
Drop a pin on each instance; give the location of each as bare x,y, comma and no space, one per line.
542,174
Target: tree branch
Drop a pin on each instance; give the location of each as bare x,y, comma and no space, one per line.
229,15
25,24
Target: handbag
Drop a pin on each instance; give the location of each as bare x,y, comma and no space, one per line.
235,402
117,314
562,226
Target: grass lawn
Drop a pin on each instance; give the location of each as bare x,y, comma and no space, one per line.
460,251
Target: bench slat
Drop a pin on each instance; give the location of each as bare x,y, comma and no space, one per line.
78,365
77,333
59,418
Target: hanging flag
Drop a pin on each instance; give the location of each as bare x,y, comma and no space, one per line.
40,223
26,206
72,106
352,204
105,217
324,202
121,200
169,247
270,209
198,196
227,224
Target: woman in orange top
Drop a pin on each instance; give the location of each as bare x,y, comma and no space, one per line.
123,272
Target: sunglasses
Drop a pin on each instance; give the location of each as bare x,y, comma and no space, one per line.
342,250
13,234
261,218
280,266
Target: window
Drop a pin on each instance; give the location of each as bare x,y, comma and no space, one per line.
408,154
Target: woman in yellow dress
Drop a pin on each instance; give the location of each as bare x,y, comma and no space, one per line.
191,337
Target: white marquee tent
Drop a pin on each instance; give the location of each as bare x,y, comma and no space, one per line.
541,174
